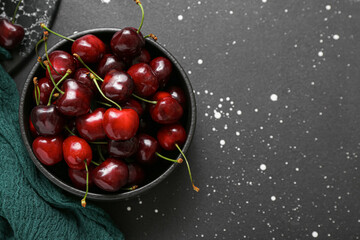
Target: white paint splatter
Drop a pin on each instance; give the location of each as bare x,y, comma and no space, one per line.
274,97
320,53
222,142
106,1
273,198
200,61
328,7
231,12
262,167
238,112
315,234
217,114
336,37
128,208
180,17
264,1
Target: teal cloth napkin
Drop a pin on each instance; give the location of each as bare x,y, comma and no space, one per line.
31,206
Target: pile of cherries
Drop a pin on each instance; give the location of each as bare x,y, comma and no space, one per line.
111,110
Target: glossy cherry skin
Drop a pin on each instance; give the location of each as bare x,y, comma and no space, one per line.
146,83
33,131
136,174
76,150
127,43
123,149
11,34
144,57
120,124
48,150
148,146
89,47
166,111
81,75
118,86
47,120
109,62
169,135
111,175
162,68
78,177
178,94
90,126
135,105
76,99
45,87
61,61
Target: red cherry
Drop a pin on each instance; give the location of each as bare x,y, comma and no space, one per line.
135,105
47,120
48,149
123,149
166,111
81,75
136,174
90,126
89,47
127,43
178,94
120,124
45,86
111,175
61,61
148,146
76,150
169,135
109,62
76,99
162,68
144,57
11,34
33,131
160,95
117,86
146,83
78,177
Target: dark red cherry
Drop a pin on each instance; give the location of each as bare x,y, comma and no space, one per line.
144,57
48,149
127,43
135,105
45,87
117,86
172,134
90,126
160,95
61,61
148,146
78,177
76,150
47,120
166,111
146,83
11,34
89,47
76,98
109,62
162,68
178,94
111,175
120,124
81,75
136,174
33,131
123,149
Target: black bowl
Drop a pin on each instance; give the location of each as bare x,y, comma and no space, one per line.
58,173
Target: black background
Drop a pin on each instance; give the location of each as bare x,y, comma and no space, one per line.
275,152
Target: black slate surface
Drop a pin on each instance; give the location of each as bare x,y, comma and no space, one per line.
276,148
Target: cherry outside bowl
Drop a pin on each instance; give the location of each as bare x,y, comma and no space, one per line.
58,173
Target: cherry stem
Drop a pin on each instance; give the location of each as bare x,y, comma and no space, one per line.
42,25
100,153
36,91
130,188
143,99
105,104
95,163
47,55
100,143
58,83
97,86
151,36
142,14
83,201
52,79
68,129
169,159
16,9
188,166
88,68
37,53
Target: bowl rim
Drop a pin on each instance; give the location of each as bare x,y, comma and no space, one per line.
108,196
